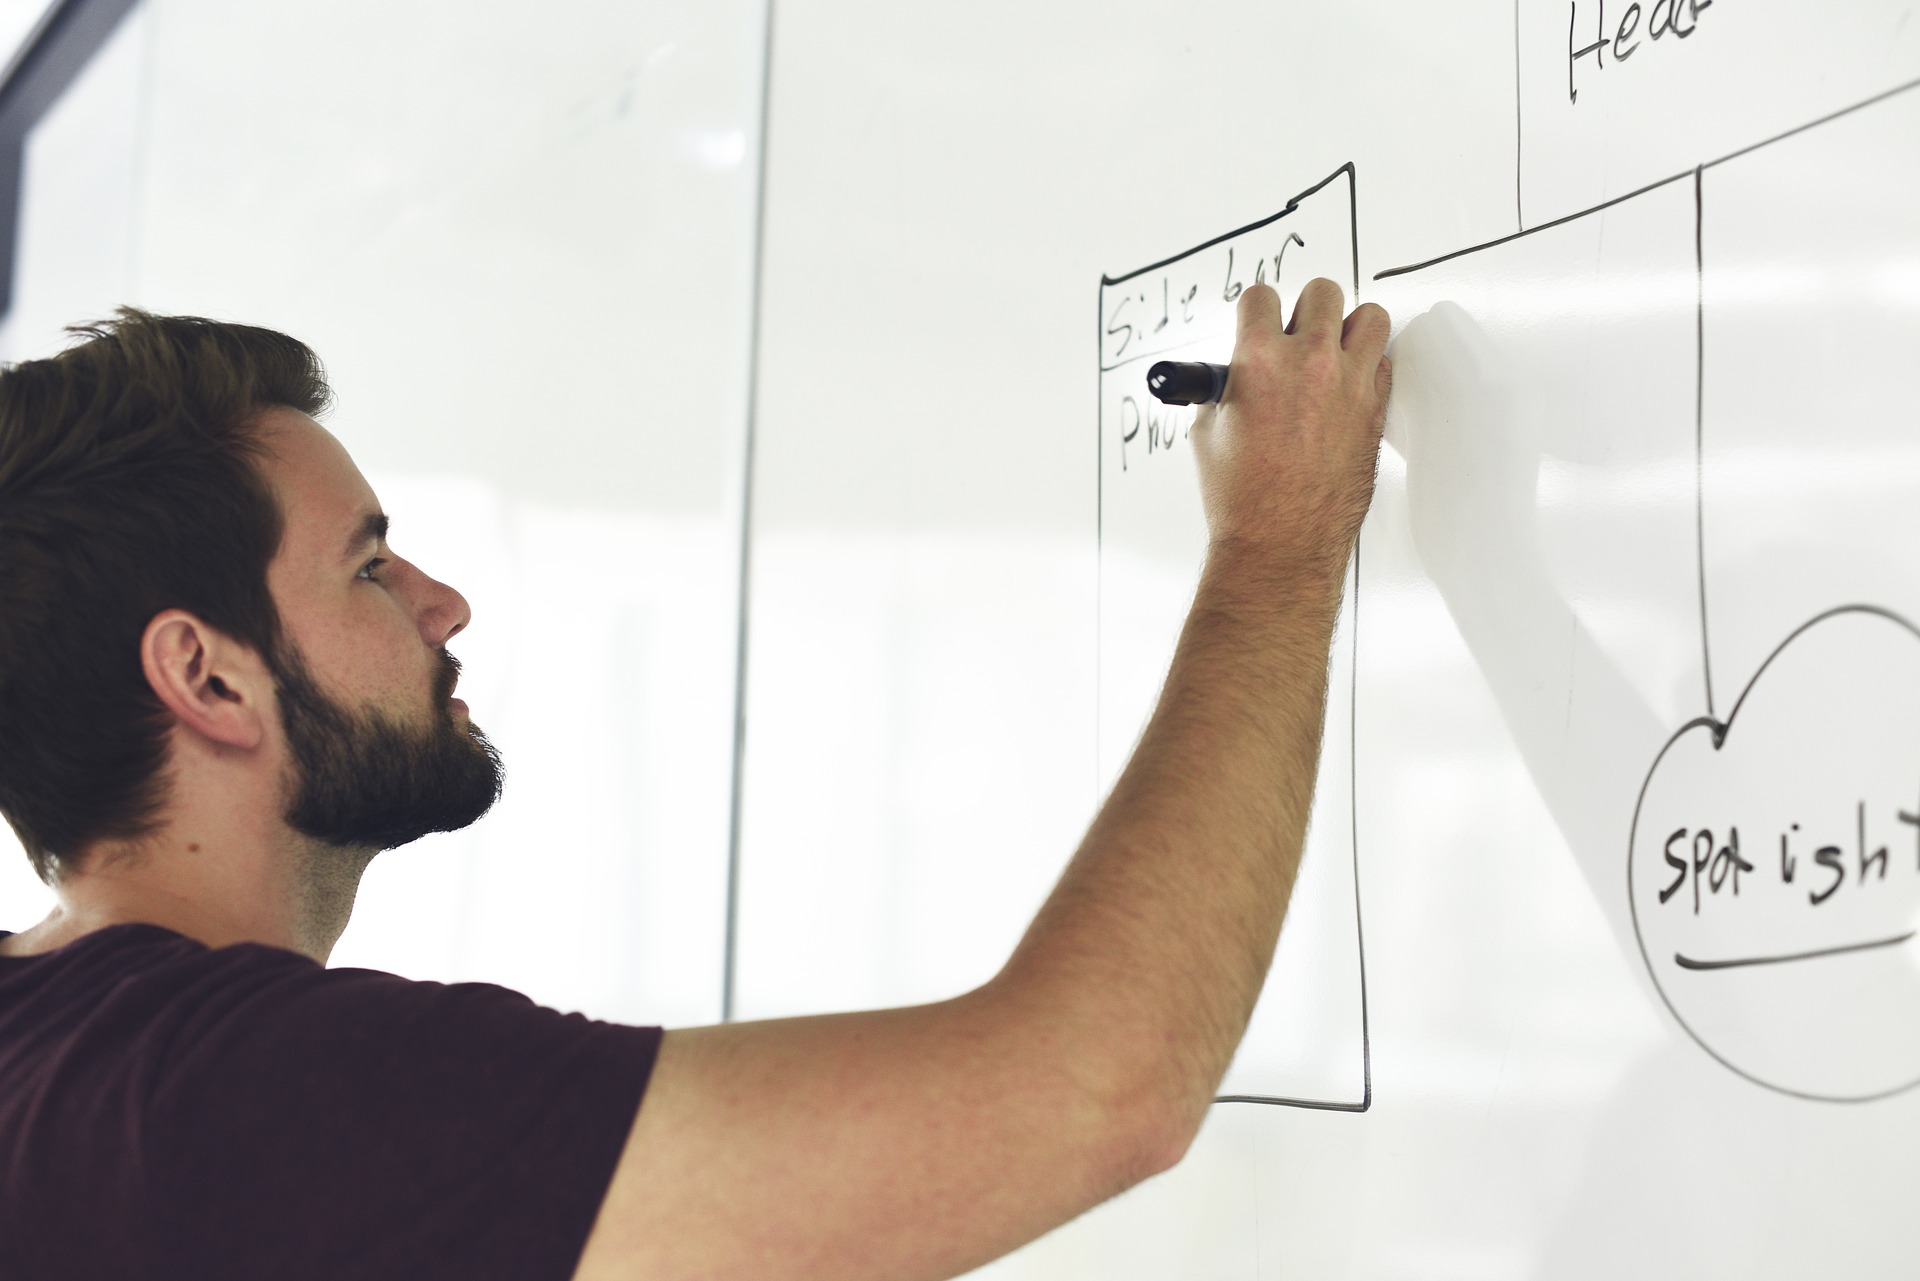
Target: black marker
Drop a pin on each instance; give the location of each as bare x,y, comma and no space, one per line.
1187,382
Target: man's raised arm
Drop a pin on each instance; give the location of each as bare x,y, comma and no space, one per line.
922,1142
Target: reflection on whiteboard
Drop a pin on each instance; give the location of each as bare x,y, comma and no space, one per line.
1307,1044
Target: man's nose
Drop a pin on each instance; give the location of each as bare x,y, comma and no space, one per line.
446,612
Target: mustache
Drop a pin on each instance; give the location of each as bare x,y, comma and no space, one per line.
445,678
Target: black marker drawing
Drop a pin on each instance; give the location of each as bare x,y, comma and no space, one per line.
1692,963
1707,872
1719,734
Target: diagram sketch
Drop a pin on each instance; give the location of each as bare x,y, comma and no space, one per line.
1705,461
1307,1045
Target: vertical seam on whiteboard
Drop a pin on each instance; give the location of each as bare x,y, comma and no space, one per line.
1700,427
56,51
1519,215
729,974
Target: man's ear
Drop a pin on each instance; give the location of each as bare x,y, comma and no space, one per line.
214,685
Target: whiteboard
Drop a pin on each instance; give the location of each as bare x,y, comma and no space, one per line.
1650,451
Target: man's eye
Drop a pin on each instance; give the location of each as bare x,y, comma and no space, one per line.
366,570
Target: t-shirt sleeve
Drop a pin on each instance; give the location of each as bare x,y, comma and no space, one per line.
314,1123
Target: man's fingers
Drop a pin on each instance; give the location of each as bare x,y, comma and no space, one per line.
1319,307
1365,333
1258,313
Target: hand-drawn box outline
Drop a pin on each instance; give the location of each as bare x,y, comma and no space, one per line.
1366,1052
1713,724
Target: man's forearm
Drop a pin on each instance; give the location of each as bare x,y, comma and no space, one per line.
1154,946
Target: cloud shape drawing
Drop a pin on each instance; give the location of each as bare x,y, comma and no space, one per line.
1773,866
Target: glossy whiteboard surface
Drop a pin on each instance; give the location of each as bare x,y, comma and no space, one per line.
1649,424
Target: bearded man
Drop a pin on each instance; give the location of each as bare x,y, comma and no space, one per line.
222,693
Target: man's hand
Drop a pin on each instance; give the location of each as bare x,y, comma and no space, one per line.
1287,460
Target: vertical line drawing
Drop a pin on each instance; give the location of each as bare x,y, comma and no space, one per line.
1099,538
1353,220
729,974
1353,833
1699,428
1519,214
1353,717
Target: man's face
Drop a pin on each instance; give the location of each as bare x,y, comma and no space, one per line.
381,753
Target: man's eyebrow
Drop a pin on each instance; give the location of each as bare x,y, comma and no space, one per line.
371,529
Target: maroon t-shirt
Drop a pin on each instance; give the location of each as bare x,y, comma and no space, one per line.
171,1110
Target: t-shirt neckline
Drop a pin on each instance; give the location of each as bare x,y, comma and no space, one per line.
116,928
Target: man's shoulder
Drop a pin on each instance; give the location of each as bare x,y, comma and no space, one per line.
138,968
185,1042
244,1102
143,999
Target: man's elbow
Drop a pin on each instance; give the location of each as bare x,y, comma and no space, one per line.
1152,1128
1114,1112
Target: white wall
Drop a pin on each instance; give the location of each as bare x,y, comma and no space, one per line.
74,258
520,239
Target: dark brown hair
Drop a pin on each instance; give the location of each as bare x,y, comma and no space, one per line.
128,486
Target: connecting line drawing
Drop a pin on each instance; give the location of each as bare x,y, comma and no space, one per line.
1129,353
1746,1053
1682,176
1700,427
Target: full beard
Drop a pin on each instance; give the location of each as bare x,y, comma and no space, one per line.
364,780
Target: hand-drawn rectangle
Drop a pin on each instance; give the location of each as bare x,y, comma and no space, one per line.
1307,1045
